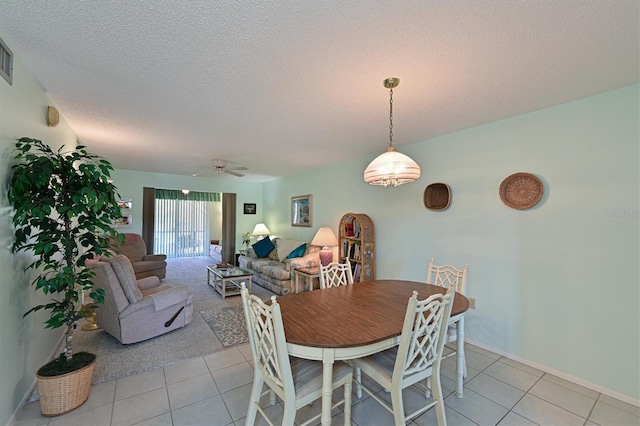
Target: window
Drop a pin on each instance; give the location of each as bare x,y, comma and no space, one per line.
6,62
181,228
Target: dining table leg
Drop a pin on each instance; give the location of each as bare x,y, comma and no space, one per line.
327,382
460,364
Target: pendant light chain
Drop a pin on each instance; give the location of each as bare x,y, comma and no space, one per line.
390,117
391,168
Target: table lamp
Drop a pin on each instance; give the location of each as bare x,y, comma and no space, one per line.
260,231
325,238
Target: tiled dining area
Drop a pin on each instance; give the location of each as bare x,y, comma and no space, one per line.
215,389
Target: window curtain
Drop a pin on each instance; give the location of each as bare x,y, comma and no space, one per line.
148,217
182,222
175,194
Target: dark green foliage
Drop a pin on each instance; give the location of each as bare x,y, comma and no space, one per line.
60,365
65,206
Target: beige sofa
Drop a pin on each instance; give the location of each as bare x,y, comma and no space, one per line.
274,272
138,309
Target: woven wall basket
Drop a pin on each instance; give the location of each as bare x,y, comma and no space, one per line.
61,394
521,191
437,196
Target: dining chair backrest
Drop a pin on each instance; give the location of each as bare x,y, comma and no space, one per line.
268,344
335,274
423,336
447,275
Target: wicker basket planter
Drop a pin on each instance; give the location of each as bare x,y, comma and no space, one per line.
64,393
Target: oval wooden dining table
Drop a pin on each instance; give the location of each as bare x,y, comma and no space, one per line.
348,322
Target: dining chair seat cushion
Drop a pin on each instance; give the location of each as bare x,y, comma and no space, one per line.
307,375
380,365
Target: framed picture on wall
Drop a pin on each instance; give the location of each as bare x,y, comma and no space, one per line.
249,208
301,214
124,221
125,203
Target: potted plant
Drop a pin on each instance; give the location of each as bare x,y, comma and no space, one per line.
64,207
246,239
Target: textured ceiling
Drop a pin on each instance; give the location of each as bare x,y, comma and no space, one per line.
284,86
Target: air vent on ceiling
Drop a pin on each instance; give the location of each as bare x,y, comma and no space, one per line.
6,62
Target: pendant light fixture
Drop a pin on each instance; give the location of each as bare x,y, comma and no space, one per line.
391,168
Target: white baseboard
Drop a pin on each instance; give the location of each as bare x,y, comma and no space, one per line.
562,375
54,353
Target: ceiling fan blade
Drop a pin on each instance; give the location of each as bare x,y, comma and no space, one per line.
231,172
237,168
199,166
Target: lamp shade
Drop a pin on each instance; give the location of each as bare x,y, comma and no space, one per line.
391,168
260,229
325,238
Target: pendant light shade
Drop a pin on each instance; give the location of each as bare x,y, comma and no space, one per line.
391,168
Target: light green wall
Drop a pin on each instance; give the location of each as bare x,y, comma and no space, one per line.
24,344
557,285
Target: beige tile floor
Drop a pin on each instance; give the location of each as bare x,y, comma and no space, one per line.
215,389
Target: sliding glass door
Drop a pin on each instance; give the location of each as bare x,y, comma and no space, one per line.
181,228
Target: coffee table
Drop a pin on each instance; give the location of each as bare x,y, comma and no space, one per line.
226,280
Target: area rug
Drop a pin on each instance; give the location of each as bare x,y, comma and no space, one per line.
228,324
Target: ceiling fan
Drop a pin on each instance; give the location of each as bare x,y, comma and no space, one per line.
220,166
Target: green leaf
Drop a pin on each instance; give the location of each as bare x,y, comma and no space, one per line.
63,211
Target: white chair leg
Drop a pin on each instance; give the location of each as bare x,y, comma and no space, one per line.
289,415
256,390
398,406
437,395
272,398
427,385
460,364
347,403
358,381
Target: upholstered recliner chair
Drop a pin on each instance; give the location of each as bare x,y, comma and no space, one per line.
144,265
136,310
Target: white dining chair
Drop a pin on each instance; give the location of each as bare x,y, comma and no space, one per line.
447,276
415,359
333,275
298,382
336,274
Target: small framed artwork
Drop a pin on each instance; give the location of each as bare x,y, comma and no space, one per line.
125,203
124,221
301,214
249,208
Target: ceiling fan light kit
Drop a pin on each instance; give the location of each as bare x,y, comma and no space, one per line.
220,166
391,168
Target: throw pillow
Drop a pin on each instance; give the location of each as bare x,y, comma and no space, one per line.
263,247
285,247
298,252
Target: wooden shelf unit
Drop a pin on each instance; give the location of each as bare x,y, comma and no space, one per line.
357,243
